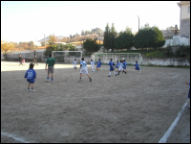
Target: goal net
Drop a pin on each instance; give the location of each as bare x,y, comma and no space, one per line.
130,58
67,56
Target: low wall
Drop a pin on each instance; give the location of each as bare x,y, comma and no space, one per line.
105,59
2,57
166,61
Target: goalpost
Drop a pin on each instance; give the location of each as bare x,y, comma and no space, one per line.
130,58
66,56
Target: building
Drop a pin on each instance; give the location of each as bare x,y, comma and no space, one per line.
183,38
170,32
184,18
64,43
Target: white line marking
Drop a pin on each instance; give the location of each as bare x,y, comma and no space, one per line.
14,137
175,76
108,69
168,132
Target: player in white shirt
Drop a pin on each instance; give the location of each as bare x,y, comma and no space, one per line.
83,69
92,64
121,67
74,64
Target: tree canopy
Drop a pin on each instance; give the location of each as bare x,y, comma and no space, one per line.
149,37
90,46
6,46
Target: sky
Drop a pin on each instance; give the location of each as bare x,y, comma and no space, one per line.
23,21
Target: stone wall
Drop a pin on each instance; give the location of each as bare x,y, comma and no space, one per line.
166,61
185,28
105,59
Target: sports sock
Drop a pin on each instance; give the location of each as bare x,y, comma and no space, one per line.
114,72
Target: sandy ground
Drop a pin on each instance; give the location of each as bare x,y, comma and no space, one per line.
131,108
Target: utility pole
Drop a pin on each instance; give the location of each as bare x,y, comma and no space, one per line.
138,23
44,41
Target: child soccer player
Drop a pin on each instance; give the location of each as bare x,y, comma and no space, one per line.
74,63
137,67
50,62
35,60
188,92
83,69
92,64
98,65
30,76
124,65
117,65
121,67
20,60
111,64
23,61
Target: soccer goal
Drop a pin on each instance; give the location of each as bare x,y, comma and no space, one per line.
130,58
67,56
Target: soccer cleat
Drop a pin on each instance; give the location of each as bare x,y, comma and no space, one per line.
116,74
47,80
79,80
32,90
28,89
90,80
109,76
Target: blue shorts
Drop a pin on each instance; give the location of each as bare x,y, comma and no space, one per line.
137,68
111,69
98,66
30,81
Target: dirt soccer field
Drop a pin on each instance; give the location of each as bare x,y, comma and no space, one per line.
149,107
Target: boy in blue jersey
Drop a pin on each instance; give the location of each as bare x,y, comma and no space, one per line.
188,92
98,65
124,66
83,69
137,67
111,64
30,76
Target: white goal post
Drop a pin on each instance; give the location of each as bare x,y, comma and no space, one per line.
129,57
62,54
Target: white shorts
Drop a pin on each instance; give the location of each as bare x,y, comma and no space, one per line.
84,70
120,69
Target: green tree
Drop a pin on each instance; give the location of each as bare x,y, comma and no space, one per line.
107,39
112,36
6,47
42,43
52,40
149,37
90,46
158,38
49,50
31,45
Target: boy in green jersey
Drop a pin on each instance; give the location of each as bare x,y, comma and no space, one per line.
50,62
